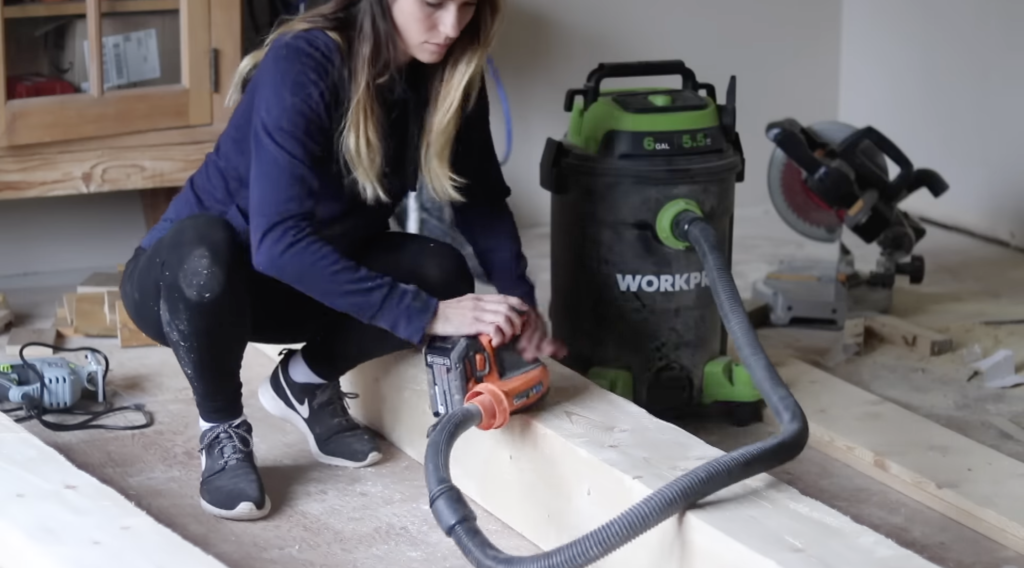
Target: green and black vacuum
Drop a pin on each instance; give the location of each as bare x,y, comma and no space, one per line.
632,299
642,190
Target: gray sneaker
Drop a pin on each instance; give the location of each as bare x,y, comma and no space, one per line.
231,487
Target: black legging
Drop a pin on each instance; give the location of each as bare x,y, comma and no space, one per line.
196,291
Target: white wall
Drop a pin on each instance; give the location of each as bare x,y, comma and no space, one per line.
68,233
943,79
784,54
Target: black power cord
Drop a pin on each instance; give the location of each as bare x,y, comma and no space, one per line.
33,408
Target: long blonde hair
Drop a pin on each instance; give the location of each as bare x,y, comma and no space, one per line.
373,52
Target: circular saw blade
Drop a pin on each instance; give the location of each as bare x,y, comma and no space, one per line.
798,206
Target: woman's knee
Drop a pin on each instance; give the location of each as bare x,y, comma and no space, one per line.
205,255
444,272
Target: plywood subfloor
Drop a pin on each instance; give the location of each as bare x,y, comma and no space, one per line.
323,515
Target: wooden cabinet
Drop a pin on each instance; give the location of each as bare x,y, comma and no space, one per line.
111,95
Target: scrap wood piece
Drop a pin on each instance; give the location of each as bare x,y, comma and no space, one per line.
110,300
595,454
90,315
100,282
128,334
958,477
912,336
24,335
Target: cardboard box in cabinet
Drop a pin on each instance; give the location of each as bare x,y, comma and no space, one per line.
139,50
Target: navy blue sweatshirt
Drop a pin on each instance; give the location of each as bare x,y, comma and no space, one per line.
274,174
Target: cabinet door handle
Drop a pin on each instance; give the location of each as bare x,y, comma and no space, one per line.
214,71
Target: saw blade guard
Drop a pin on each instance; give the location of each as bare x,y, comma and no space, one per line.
793,200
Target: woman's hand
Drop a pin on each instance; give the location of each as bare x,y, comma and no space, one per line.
534,341
501,317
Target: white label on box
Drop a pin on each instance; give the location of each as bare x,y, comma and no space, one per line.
128,58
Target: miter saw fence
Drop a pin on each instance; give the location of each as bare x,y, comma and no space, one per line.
827,177
55,385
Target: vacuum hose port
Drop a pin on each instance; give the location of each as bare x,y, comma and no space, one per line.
493,405
674,220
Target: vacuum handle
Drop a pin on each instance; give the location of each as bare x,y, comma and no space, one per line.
636,69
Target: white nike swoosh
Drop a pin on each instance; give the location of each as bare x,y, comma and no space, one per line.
303,409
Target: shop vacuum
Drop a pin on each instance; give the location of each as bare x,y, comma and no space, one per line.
642,193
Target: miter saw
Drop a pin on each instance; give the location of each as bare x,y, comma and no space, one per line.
828,177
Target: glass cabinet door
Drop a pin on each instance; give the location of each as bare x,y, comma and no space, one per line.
75,69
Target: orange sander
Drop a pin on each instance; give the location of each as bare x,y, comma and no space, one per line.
470,370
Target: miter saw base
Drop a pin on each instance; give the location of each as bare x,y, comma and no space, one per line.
825,294
804,291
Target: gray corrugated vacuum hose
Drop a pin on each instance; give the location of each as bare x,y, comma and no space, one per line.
455,517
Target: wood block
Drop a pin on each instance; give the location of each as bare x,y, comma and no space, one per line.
90,317
3,302
128,334
24,335
909,335
100,282
110,299
595,454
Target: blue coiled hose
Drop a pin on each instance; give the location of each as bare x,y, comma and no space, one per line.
496,77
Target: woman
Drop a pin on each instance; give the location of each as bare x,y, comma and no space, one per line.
282,235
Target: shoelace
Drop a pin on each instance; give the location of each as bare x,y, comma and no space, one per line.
333,396
230,440
336,400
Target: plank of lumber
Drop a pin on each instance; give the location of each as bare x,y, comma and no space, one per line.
958,477
584,455
55,515
909,335
21,336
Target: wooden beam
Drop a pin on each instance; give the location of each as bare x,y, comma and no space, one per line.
585,455
58,516
958,477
